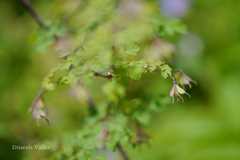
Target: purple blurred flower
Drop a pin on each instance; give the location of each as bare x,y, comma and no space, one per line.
130,8
190,45
174,8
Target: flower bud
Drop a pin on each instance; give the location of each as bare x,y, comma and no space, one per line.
183,79
38,110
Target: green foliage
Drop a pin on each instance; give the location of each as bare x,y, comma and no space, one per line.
170,28
206,127
111,46
44,38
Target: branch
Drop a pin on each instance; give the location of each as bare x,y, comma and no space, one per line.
122,152
28,6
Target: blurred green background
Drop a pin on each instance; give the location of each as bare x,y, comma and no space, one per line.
205,127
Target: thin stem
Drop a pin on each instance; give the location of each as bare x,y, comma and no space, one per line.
122,152
28,6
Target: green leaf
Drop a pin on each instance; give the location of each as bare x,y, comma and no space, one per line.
170,28
136,69
166,71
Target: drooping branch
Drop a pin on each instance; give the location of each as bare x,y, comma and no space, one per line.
122,152
29,8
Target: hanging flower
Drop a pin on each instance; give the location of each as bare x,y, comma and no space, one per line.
183,79
177,92
39,110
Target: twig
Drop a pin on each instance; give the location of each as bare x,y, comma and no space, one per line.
122,152
108,75
28,6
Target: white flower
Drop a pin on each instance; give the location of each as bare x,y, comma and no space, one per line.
177,92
